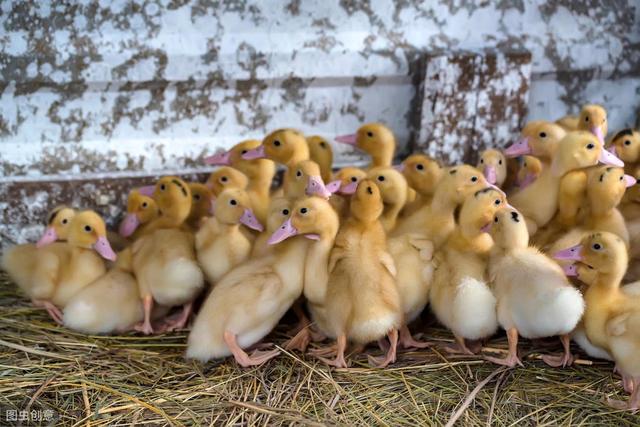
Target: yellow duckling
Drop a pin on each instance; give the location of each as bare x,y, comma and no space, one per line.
436,220
201,204
260,173
304,178
493,165
349,178
539,201
250,300
362,302
528,172
53,274
612,316
540,139
220,245
459,295
287,147
422,174
141,210
376,140
58,223
626,145
226,177
279,212
534,297
164,259
320,151
393,188
593,118
568,123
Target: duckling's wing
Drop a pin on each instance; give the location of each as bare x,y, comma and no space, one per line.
387,261
619,324
423,244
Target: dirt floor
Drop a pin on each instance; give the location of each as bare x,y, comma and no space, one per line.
75,379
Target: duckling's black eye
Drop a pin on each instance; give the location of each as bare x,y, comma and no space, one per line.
65,220
381,178
285,212
243,152
627,142
354,179
369,190
303,211
144,205
196,196
299,174
590,146
224,179
597,246
525,164
496,202
542,134
481,160
232,202
495,219
500,161
323,145
276,143
621,178
370,134
163,187
474,178
420,166
87,228
586,118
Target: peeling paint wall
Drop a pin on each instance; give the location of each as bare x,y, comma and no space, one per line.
95,86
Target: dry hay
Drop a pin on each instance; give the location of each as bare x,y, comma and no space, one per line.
93,380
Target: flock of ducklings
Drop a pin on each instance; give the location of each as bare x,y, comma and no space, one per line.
366,250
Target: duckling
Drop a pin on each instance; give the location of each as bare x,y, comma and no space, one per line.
540,139
53,274
376,140
593,118
493,166
538,202
260,173
320,151
436,220
362,302
568,123
58,223
422,174
284,146
612,316
164,259
140,210
304,178
248,302
528,172
349,178
279,212
393,188
626,145
534,297
201,204
220,245
459,295
226,177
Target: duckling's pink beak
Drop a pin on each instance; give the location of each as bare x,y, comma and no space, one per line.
528,179
597,131
129,224
334,186
570,270
486,228
612,149
250,220
316,187
285,231
610,159
491,175
399,167
219,159
103,247
147,190
349,189
629,181
256,153
48,237
520,148
348,139
573,253
212,206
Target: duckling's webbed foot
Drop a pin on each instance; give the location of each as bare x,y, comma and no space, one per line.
460,347
327,351
300,341
407,340
390,357
256,358
339,361
54,312
145,326
179,322
566,359
512,358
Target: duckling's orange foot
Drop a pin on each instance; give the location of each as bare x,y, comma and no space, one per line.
327,351
300,341
557,361
620,405
407,341
144,327
338,362
54,312
258,357
511,360
458,348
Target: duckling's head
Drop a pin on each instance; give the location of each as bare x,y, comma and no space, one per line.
320,151
201,201
422,173
392,185
233,155
284,146
375,139
478,209
226,177
279,212
493,165
58,223
580,149
305,179
253,169
603,251
529,170
460,181
508,229
349,178
606,185
366,204
593,118
173,197
626,145
141,209
539,138
233,206
87,230
311,217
